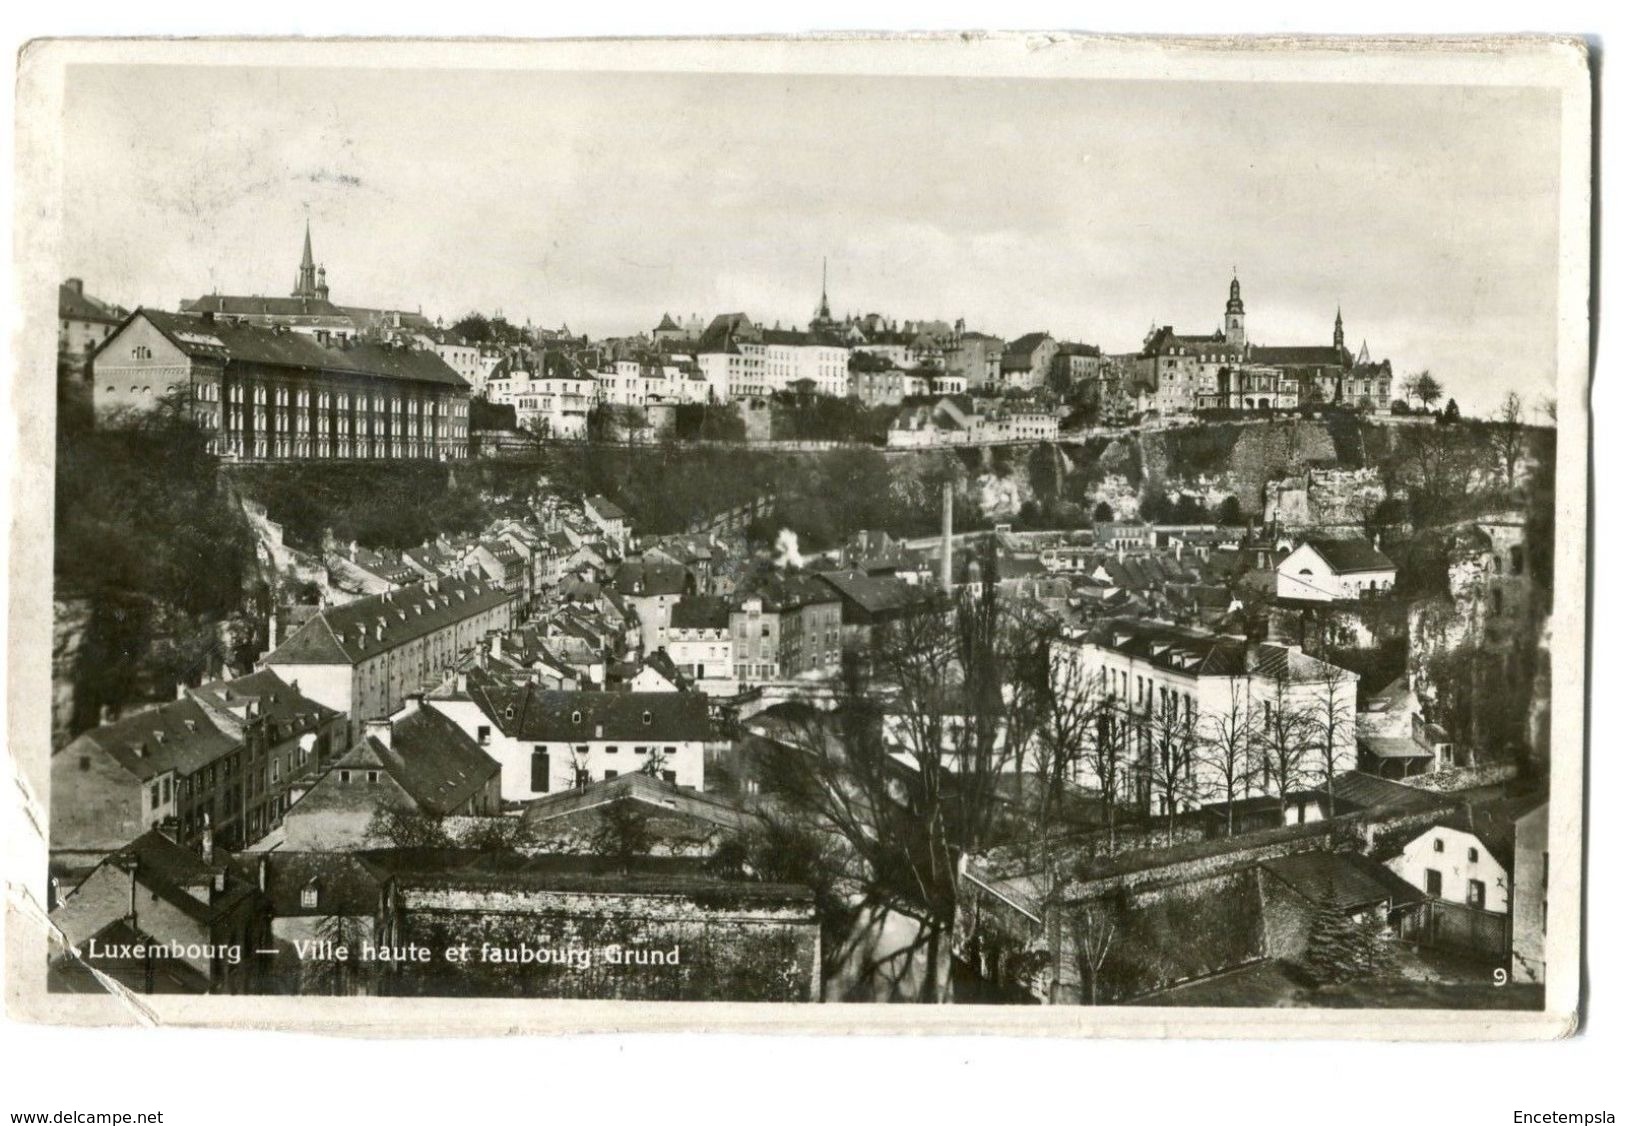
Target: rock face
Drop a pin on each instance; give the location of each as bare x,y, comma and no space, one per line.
1236,459
69,622
1322,497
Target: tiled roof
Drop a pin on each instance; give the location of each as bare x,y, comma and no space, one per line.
1300,356
237,306
220,340
1351,881
179,736
643,788
1024,345
75,304
1350,555
780,591
345,884
877,594
645,578
275,698
700,612
537,715
434,760
168,870
605,508
334,636
1369,792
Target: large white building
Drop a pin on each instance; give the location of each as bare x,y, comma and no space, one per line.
547,741
555,404
1332,570
752,361
1147,678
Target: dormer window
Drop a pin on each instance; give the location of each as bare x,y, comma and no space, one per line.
575,717
310,896
648,719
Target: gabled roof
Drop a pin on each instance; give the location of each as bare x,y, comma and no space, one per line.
875,594
350,634
75,304
1024,345
344,883
646,578
604,507
169,870
181,736
647,790
275,699
221,341
1349,556
435,761
1367,791
537,715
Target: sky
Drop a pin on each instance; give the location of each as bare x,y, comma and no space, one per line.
1089,209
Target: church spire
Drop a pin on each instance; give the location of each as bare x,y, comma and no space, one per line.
1337,330
822,316
306,284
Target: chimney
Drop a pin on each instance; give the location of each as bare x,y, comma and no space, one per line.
264,871
208,841
947,535
77,285
379,729
412,703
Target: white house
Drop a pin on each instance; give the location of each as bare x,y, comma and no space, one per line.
1328,570
548,741
1165,684
700,643
1458,865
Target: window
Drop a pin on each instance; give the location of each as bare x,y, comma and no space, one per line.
669,776
1472,856
344,775
155,801
1438,844
309,895
541,773
84,762
484,733
1433,882
1475,893
372,776
608,774
612,749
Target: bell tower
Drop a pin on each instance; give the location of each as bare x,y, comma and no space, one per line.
1235,315
1337,330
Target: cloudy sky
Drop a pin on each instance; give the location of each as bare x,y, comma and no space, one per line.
1089,209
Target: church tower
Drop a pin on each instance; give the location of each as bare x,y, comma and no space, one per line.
1337,330
305,286
1235,315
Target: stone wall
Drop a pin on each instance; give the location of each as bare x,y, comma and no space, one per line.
721,945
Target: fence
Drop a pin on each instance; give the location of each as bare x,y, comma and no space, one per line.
1456,926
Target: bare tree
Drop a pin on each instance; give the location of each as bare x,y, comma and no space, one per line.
905,767
1284,740
1171,766
1328,717
1228,751
1106,755
1092,931
1507,436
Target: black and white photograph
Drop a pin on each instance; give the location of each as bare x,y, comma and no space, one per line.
1092,536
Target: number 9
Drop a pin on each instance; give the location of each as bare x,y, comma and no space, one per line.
1500,976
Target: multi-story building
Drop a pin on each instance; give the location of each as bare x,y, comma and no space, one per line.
1333,570
785,626
974,356
1166,689
549,740
223,760
701,645
652,589
553,401
887,387
366,657
83,322
271,393
1027,361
